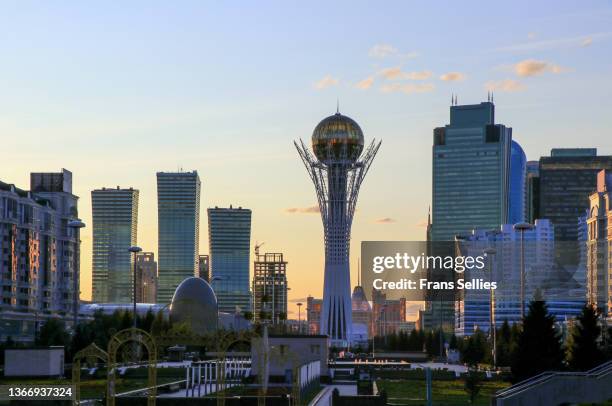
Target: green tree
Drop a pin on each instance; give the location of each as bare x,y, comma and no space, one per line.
504,345
475,349
539,344
53,332
583,350
473,383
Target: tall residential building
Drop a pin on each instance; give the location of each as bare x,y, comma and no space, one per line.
337,166
599,245
567,177
115,225
471,188
178,222
532,204
269,288
146,277
518,176
204,268
39,255
229,238
472,307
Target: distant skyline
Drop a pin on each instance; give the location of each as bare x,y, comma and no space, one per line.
116,92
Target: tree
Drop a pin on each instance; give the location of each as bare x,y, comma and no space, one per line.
475,349
472,384
504,345
539,344
53,332
584,351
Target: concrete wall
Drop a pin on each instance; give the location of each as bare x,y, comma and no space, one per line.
290,351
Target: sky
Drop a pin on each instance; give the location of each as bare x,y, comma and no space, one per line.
115,91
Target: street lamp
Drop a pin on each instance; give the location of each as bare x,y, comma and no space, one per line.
76,226
299,305
522,227
490,253
135,250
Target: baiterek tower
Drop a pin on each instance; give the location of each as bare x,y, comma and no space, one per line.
337,167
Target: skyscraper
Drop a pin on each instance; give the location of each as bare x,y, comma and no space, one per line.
471,168
39,263
471,188
337,169
567,177
146,277
229,237
204,267
518,176
178,223
115,225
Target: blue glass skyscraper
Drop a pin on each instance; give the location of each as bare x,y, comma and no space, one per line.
178,216
229,237
518,176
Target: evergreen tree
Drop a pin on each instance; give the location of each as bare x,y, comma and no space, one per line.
53,332
539,345
504,345
475,349
584,351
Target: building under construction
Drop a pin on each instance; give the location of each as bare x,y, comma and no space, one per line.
269,288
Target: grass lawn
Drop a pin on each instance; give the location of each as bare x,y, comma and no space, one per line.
448,393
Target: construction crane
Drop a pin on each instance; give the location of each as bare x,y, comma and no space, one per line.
257,246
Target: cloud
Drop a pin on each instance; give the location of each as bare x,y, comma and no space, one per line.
559,43
303,210
506,85
396,73
586,42
385,220
407,88
532,67
326,82
452,77
422,224
386,50
365,83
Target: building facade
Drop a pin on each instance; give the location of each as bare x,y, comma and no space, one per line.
473,307
204,267
178,217
567,178
146,277
471,187
599,245
518,177
269,288
115,225
39,255
362,317
229,238
313,314
387,315
532,204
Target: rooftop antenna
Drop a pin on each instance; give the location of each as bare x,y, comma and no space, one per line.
452,99
488,96
491,97
337,105
358,272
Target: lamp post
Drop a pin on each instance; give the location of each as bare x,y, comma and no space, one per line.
299,305
135,250
490,253
522,227
76,226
